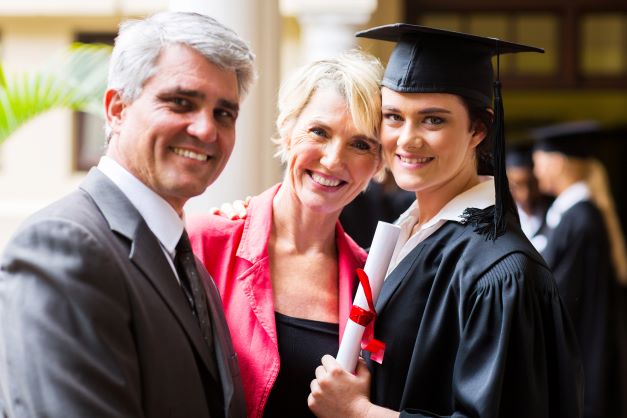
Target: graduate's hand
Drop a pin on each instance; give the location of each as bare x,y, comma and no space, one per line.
338,393
233,211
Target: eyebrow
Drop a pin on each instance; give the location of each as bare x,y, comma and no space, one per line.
433,110
229,105
429,110
233,106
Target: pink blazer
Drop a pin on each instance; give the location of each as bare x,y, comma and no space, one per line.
235,252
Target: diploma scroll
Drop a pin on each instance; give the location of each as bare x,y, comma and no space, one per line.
376,267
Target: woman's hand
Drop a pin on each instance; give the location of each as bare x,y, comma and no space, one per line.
233,211
338,393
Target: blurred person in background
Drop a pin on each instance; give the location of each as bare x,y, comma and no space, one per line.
286,269
382,200
530,202
585,249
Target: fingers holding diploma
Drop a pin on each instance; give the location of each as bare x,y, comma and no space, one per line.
336,392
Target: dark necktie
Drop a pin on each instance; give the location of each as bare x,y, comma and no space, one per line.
185,264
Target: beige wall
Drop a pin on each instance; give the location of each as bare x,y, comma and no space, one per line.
36,161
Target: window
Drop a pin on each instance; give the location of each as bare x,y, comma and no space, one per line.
89,139
585,41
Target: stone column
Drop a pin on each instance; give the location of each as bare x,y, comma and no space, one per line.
251,167
328,26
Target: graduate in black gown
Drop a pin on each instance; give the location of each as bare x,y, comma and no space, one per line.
531,204
470,312
585,260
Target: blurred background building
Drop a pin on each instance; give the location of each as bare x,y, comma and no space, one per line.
583,75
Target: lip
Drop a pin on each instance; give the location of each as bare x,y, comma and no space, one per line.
190,154
316,177
413,161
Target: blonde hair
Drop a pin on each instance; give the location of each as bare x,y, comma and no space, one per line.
354,74
602,197
593,173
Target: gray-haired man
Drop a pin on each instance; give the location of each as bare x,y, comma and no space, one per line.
97,316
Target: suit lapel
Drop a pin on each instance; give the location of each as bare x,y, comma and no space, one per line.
146,254
226,358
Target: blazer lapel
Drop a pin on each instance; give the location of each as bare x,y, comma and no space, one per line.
146,255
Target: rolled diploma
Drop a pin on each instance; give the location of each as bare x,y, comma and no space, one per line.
377,263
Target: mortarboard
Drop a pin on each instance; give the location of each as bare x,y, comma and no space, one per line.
429,60
572,139
519,156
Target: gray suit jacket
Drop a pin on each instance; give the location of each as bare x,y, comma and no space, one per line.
94,324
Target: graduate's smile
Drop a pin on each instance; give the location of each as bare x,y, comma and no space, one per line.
413,162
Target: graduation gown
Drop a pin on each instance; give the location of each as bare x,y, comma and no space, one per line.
578,252
475,328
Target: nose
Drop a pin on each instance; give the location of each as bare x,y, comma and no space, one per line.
409,138
203,127
333,155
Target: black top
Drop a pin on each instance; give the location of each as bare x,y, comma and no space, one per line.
302,343
360,217
475,328
578,252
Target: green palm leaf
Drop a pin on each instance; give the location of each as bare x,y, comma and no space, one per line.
76,80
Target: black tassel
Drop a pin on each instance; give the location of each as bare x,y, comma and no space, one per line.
501,185
492,221
482,220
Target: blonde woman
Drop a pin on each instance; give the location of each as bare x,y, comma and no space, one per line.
286,272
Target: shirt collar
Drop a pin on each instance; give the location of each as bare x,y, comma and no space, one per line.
566,200
160,217
480,196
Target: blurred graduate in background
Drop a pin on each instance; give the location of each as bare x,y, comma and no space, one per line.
530,202
586,250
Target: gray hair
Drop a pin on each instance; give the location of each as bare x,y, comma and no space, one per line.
139,43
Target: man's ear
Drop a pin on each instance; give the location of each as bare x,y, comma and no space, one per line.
114,109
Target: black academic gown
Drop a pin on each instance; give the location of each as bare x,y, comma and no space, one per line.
475,328
578,252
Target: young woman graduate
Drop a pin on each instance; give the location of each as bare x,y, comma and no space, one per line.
470,312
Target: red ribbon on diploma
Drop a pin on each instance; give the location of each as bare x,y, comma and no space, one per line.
366,318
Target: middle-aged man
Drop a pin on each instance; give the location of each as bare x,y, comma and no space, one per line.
101,310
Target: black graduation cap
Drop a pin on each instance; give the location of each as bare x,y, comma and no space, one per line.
429,60
574,139
519,155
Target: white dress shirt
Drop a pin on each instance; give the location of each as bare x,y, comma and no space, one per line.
480,196
574,194
160,217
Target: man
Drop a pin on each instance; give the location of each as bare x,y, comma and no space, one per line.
101,311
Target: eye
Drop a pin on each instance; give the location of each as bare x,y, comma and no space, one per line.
319,132
225,115
433,120
362,145
393,117
178,104
179,101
